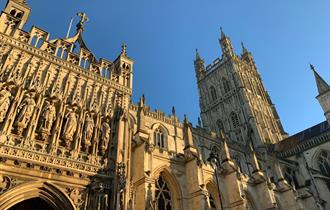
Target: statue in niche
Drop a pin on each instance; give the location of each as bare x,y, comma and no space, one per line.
48,116
105,135
88,131
70,125
25,111
4,103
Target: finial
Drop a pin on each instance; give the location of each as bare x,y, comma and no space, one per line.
173,110
83,19
143,98
123,49
197,55
312,67
185,119
142,101
243,48
223,35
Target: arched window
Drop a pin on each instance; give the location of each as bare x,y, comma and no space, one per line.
163,195
13,12
159,138
19,15
234,119
213,93
226,85
290,177
324,165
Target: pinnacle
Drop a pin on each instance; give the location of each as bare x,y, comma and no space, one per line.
223,35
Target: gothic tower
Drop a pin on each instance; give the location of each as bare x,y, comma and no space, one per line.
233,98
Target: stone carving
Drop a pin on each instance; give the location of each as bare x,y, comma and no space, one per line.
105,135
48,116
150,204
5,183
88,131
25,111
70,126
75,195
4,103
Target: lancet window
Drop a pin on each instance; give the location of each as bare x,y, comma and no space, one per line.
290,177
234,119
213,93
163,195
226,85
159,138
324,165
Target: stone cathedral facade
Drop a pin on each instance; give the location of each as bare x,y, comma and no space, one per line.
72,139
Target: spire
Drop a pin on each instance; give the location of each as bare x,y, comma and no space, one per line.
199,65
322,85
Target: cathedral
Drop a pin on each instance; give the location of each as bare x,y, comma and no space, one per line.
72,139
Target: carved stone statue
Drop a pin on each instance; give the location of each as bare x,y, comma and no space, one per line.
25,113
105,135
48,116
4,103
88,131
70,125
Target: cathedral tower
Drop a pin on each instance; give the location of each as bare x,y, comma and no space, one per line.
233,98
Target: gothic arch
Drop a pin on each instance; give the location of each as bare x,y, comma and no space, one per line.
213,93
46,191
321,162
173,185
160,125
317,154
160,135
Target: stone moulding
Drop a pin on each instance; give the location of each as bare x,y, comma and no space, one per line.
71,67
21,154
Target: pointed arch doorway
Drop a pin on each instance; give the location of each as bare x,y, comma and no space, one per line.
32,204
35,196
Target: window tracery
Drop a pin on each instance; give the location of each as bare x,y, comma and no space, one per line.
290,177
213,93
159,137
226,85
324,165
163,195
234,119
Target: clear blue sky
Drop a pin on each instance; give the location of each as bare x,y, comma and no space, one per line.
284,36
